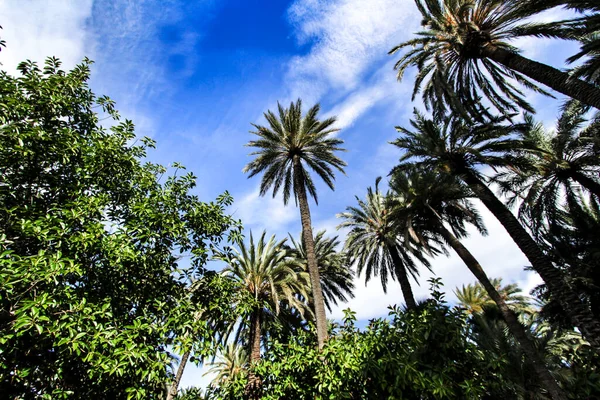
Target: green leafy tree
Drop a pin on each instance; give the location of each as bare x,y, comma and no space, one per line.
334,267
452,146
433,200
272,278
93,291
287,149
376,242
464,52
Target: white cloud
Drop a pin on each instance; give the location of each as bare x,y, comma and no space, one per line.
348,35
377,89
258,213
37,29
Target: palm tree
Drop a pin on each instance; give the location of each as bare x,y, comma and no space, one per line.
464,51
474,298
433,200
451,146
334,268
376,243
571,240
288,147
555,347
265,270
555,163
232,364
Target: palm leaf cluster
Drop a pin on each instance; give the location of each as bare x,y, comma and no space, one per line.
474,298
337,276
452,72
464,55
558,163
376,243
291,136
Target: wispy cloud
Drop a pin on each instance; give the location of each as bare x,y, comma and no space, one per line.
348,36
258,213
35,30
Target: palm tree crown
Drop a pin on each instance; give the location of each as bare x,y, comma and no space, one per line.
376,242
432,198
464,53
232,364
451,145
291,137
272,278
475,298
268,272
558,163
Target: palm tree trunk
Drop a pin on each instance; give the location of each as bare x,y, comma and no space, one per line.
579,313
313,267
560,81
509,316
591,185
253,386
407,292
255,337
175,385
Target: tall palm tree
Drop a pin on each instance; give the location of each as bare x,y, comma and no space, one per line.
557,162
452,146
334,267
377,245
434,200
267,272
464,52
474,298
287,149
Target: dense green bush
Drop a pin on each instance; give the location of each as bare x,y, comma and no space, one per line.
429,353
422,354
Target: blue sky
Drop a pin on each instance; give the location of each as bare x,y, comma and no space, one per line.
194,75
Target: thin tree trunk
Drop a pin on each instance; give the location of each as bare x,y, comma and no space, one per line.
253,386
560,81
313,267
580,315
591,185
175,385
407,292
508,315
